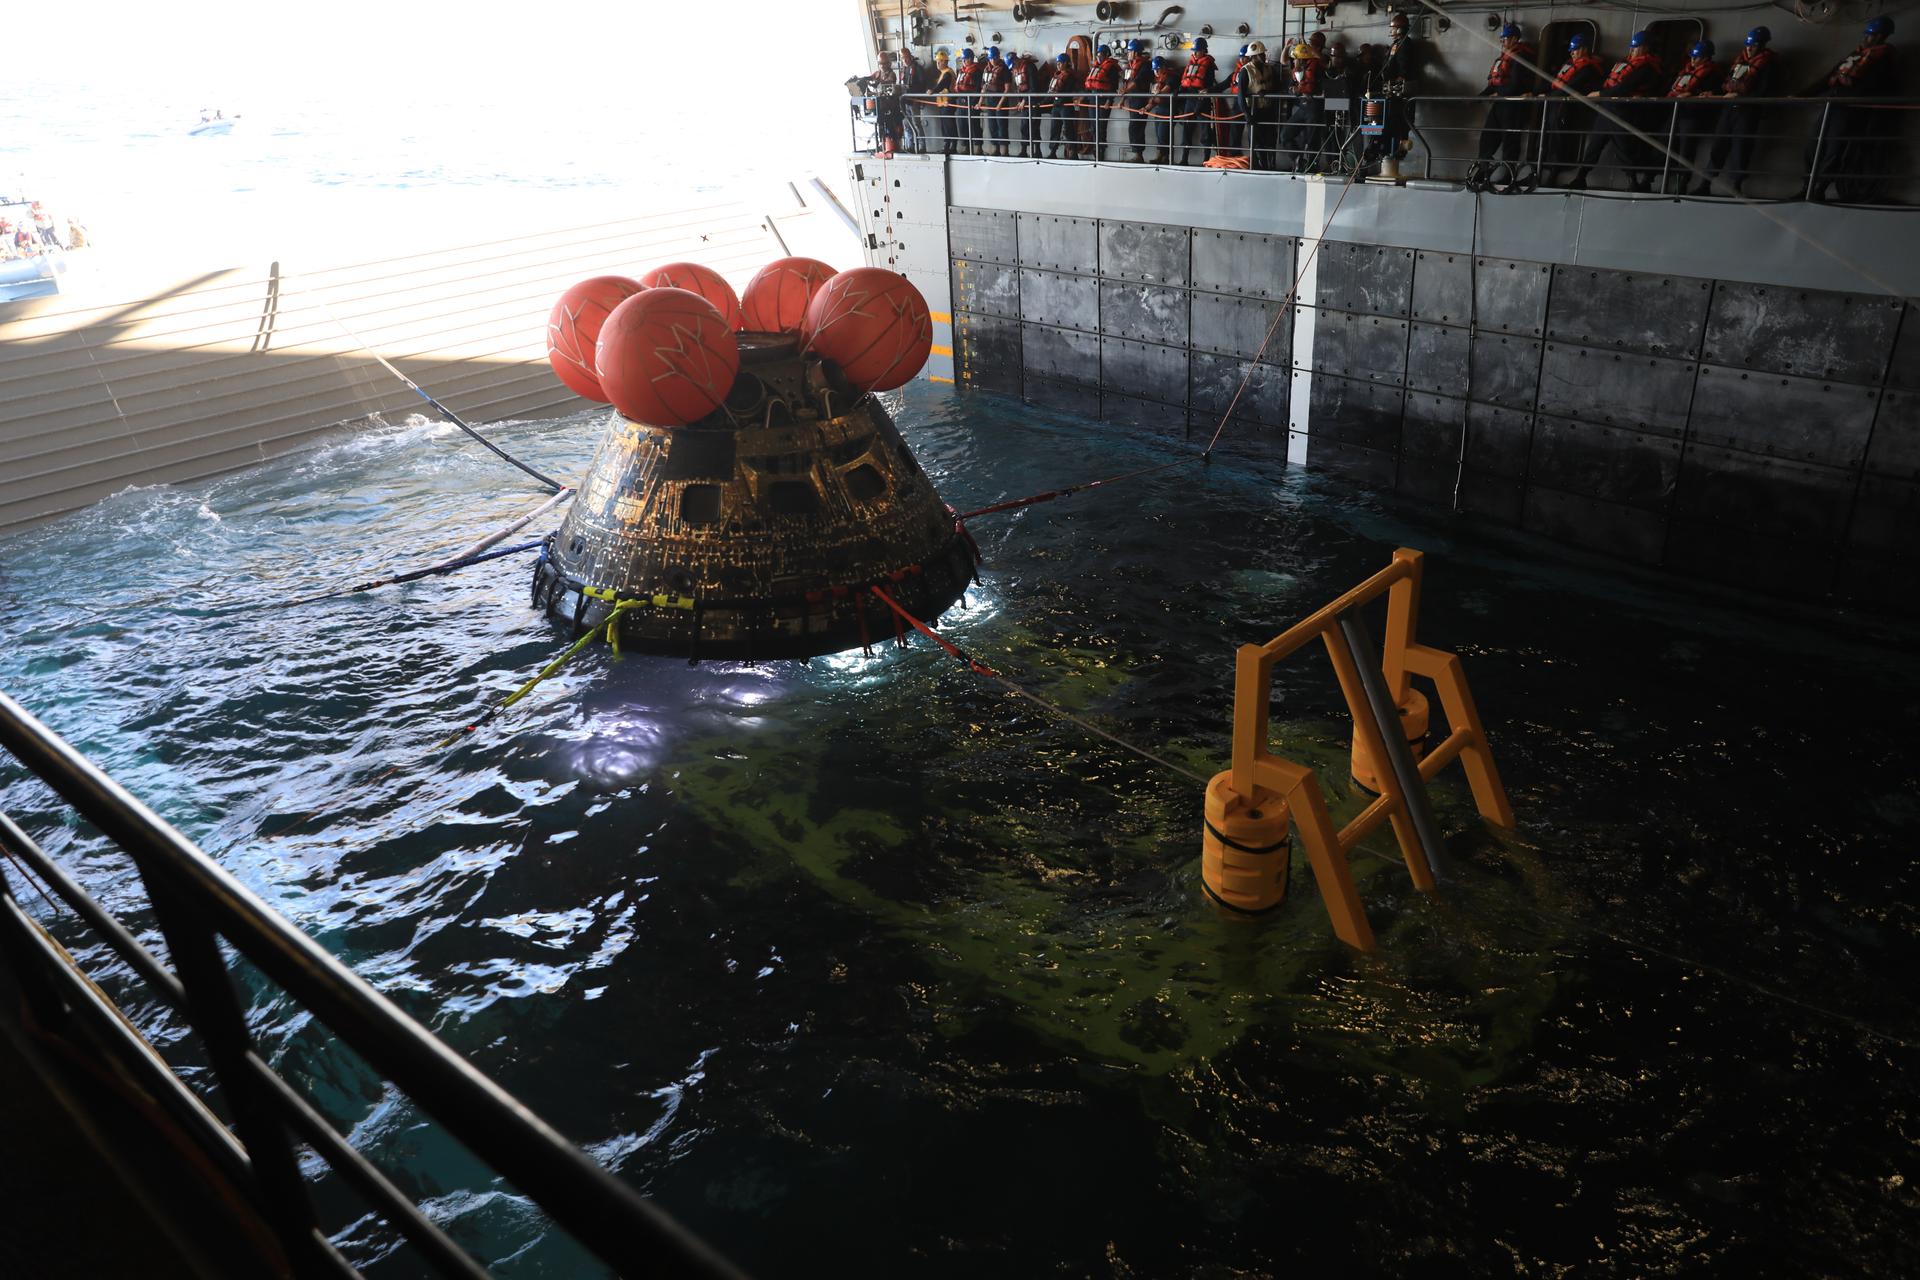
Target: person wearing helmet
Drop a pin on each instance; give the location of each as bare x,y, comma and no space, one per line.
1197,82
1509,81
912,78
1693,116
1393,82
1103,81
1022,83
1847,149
1567,122
1301,140
1063,107
1134,84
1639,75
940,130
1254,85
1754,74
1226,113
1162,97
966,92
996,81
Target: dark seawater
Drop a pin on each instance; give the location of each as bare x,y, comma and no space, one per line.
866,967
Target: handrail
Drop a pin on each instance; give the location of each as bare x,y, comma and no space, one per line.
197,900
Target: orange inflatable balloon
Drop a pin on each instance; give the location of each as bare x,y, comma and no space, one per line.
573,329
667,357
704,281
776,298
873,324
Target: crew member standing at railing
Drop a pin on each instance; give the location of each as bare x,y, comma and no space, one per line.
1136,79
1300,141
1025,81
1228,119
940,89
1754,74
1568,122
1166,79
1395,82
1197,80
1103,78
966,92
1255,86
995,79
1700,78
913,80
1508,81
1340,82
1846,149
1063,115
1638,76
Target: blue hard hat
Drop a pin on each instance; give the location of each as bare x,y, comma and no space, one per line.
1639,38
1200,45
1577,41
1880,26
993,53
1061,57
1136,46
1759,36
1105,51
1701,49
1510,32
1159,63
966,55
1244,48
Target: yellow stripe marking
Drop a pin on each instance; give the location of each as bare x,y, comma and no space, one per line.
939,350
940,317
934,377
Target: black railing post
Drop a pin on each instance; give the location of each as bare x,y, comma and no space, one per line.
215,1010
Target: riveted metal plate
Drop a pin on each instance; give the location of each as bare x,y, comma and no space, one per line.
983,235
1506,370
1442,287
1241,262
1798,418
1510,296
1144,369
990,287
1360,346
1063,397
1431,425
1241,327
1144,311
1497,498
1216,379
1895,449
1143,251
1061,354
1138,411
1369,278
1810,332
1052,297
1884,517
1645,393
1904,372
1628,310
1629,467
1367,466
1426,479
1055,243
986,352
1436,358
1633,533
1765,559
1741,490
1499,441
1356,412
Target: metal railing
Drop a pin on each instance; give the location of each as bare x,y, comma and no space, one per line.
1857,150
198,905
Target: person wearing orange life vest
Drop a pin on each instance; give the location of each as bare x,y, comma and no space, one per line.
1845,152
1567,122
1063,108
1024,84
1103,80
1228,119
1300,140
1754,74
995,79
43,226
1698,80
966,92
1161,93
1640,75
1196,81
1135,79
1509,80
